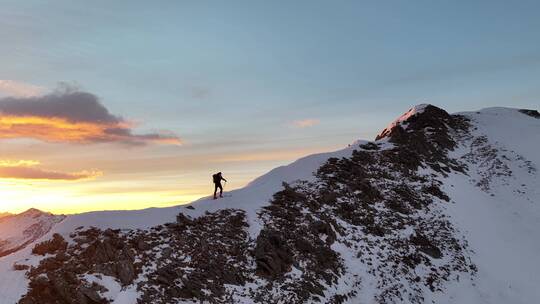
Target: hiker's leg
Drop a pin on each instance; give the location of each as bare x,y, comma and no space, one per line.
220,190
215,190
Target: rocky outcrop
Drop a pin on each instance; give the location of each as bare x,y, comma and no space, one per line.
63,288
57,243
197,258
367,203
60,278
272,255
426,137
532,113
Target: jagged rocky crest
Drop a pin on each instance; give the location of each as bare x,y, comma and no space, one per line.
377,212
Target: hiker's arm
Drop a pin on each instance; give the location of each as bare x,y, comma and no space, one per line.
223,179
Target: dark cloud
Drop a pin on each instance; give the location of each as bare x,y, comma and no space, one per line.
198,92
72,106
69,116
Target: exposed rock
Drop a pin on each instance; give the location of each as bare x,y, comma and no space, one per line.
125,271
20,267
427,138
142,244
532,113
425,245
62,289
107,252
272,255
52,246
191,258
91,295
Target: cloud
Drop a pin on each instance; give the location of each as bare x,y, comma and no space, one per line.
35,173
19,89
305,123
25,169
70,116
198,92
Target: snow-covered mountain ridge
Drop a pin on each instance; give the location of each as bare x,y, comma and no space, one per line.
17,231
439,209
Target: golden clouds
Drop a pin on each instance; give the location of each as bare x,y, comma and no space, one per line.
18,163
70,117
26,169
52,129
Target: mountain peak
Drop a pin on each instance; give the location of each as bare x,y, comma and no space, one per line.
19,230
402,121
33,212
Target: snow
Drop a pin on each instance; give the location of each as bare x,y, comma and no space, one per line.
510,127
115,292
501,226
501,229
13,284
16,230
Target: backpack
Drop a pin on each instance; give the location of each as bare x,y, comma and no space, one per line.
217,178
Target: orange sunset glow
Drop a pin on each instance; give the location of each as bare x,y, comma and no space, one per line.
61,130
26,169
89,179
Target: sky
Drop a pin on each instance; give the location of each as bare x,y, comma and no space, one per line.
135,104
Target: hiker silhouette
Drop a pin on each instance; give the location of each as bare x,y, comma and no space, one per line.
217,184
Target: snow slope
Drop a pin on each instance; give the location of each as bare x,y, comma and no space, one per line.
502,225
17,233
498,214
